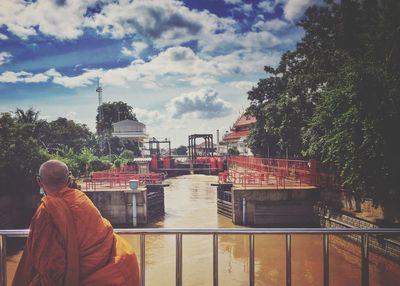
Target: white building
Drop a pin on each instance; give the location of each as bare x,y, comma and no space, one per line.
130,130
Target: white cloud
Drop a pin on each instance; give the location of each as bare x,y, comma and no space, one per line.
87,78
267,6
22,76
243,85
170,68
271,25
165,22
247,8
61,20
52,73
71,115
5,57
233,2
149,117
295,8
37,78
135,50
3,37
203,103
228,42
203,81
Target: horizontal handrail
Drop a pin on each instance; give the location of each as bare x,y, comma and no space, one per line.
179,232
25,232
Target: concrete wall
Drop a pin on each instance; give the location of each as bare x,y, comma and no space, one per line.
388,246
117,206
275,208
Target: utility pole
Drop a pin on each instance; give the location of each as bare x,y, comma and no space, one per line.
99,91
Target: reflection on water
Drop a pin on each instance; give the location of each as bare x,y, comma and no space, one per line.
190,201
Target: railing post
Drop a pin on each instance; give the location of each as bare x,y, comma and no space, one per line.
178,267
3,261
251,258
364,260
288,260
215,259
142,259
326,259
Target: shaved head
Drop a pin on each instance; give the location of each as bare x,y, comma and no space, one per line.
54,174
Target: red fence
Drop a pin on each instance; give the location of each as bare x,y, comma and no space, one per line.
278,173
118,178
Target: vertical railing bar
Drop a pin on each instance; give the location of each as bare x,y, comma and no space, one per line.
326,258
178,268
3,261
142,259
288,260
364,260
215,259
251,258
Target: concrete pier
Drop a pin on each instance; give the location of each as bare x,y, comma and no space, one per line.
128,207
269,207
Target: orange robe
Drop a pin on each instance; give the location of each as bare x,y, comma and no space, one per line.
70,244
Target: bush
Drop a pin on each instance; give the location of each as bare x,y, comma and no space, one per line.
99,165
127,155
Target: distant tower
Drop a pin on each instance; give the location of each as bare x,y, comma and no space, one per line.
99,91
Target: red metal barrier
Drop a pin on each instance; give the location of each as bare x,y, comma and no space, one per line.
122,181
281,173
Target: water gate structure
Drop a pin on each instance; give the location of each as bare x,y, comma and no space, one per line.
125,197
272,192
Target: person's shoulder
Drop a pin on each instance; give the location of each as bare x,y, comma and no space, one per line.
41,214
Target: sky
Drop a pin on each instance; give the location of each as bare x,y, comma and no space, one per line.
184,66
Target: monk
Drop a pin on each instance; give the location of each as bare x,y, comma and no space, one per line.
70,243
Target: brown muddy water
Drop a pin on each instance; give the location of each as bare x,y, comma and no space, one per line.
190,202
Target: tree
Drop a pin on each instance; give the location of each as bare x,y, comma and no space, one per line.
112,112
233,151
28,116
20,156
336,97
127,155
181,150
61,133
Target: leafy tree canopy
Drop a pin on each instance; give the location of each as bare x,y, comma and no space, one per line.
336,97
181,150
112,112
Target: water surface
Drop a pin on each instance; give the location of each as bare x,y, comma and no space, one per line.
190,202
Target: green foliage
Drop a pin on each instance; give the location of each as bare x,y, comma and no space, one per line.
117,146
233,151
336,97
26,142
118,163
20,156
100,165
63,133
181,150
113,112
127,155
28,116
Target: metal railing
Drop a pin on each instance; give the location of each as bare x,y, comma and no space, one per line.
249,179
310,172
215,232
121,181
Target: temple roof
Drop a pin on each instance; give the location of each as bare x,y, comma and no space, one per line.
244,120
236,135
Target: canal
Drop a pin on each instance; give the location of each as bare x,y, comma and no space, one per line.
190,202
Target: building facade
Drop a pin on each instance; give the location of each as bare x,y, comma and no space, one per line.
130,130
236,137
